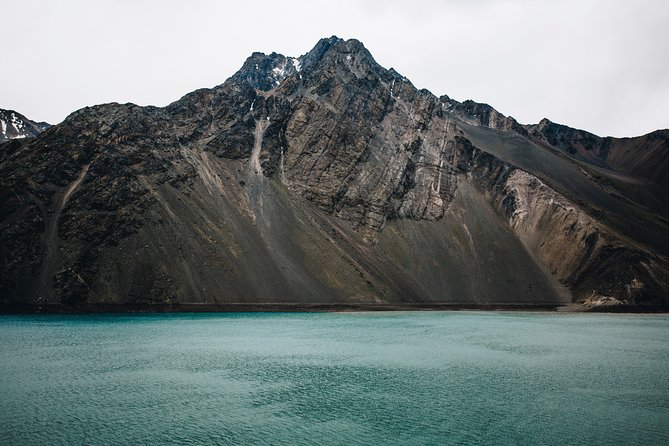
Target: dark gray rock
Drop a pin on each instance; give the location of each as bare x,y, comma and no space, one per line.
322,179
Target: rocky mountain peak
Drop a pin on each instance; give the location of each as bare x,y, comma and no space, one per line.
344,54
13,125
265,72
331,55
544,123
335,46
321,49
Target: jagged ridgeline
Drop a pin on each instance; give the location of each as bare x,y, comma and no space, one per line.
329,179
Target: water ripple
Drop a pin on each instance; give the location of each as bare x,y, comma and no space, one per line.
323,379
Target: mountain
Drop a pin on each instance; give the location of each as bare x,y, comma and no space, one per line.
14,125
328,179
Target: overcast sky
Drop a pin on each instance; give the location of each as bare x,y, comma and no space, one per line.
598,65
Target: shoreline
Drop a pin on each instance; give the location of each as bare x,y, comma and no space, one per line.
273,307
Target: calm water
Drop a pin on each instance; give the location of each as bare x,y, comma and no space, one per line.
361,378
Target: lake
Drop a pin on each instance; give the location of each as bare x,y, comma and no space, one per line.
335,378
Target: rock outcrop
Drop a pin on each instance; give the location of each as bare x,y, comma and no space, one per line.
325,178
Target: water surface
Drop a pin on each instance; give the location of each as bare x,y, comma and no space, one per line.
349,378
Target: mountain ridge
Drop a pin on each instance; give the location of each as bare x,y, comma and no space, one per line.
331,179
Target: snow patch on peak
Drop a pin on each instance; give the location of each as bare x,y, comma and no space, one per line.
296,63
17,122
279,72
290,65
14,125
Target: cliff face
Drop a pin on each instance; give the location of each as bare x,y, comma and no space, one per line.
324,178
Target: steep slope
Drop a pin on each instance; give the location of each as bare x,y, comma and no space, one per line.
14,125
324,178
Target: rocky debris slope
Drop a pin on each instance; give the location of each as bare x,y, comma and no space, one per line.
323,178
14,125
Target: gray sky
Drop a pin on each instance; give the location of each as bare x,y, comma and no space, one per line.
598,65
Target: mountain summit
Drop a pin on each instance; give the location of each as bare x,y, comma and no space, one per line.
13,125
328,179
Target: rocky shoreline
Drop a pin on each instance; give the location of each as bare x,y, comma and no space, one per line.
320,308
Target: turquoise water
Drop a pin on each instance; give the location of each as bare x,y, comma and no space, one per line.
320,379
